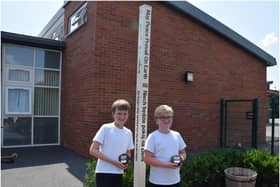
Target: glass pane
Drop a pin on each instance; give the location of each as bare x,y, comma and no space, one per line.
45,130
18,100
19,75
17,131
75,22
19,55
46,101
78,18
47,59
46,77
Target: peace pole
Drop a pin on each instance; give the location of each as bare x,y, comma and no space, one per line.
142,91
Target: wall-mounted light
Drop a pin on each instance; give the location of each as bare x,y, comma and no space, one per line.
188,76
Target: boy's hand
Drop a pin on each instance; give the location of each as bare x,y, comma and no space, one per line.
120,165
172,165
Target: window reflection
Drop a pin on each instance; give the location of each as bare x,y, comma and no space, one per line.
17,55
17,131
47,59
45,130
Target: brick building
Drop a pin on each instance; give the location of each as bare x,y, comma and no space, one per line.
99,65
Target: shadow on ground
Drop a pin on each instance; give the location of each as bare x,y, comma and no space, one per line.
53,160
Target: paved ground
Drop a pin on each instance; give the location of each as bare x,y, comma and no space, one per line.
43,167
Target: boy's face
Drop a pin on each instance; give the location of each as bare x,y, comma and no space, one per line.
164,121
120,116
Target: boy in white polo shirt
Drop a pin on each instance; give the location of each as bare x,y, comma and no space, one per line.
161,145
112,140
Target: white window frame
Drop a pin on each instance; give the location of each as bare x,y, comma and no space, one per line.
81,15
13,67
7,100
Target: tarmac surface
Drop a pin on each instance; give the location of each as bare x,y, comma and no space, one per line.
52,166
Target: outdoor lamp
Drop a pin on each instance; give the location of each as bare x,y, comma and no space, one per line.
188,76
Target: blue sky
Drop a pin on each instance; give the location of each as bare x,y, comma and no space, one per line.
256,20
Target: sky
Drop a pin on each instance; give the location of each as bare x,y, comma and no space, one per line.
256,20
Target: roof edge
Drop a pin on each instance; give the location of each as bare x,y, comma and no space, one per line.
20,39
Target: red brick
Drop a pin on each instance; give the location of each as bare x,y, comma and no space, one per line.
99,66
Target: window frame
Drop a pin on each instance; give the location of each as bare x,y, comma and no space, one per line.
82,10
14,67
7,112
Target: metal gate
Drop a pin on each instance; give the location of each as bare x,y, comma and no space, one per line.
274,113
239,123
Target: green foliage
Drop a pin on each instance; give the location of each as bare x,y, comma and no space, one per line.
128,176
208,168
265,165
90,174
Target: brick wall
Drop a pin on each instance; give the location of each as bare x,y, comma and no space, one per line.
99,66
239,128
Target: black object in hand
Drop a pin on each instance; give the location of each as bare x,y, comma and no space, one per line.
124,158
176,159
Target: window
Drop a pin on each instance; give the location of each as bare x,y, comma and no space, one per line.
45,130
47,59
46,78
78,18
17,131
17,55
18,100
18,75
46,101
31,96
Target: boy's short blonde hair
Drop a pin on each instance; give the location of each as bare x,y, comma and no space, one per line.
120,104
163,110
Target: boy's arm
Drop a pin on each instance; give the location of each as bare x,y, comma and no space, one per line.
94,151
128,152
183,154
149,159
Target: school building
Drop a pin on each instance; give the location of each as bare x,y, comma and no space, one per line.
57,89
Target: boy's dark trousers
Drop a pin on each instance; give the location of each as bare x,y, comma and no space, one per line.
108,180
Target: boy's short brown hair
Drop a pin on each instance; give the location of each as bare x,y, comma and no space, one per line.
120,104
163,110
